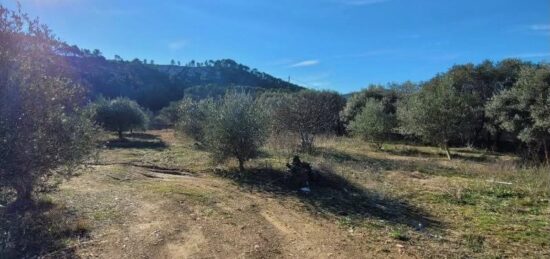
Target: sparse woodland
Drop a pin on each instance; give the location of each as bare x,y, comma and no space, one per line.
457,166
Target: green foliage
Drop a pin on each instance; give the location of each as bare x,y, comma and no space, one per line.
437,113
192,117
155,86
43,129
387,96
374,123
167,116
119,115
525,110
236,128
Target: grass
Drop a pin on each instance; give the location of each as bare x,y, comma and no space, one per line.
172,190
480,190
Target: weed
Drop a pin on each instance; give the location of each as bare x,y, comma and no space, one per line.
474,242
399,234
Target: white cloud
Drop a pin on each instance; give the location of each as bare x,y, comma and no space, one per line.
306,63
177,45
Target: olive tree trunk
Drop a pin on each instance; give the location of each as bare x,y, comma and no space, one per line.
546,155
241,164
447,151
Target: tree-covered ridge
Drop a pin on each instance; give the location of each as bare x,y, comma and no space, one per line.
155,86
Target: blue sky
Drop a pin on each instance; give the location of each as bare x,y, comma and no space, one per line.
342,45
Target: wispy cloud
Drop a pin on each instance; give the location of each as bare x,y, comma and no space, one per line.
317,81
362,2
540,27
306,63
533,29
177,45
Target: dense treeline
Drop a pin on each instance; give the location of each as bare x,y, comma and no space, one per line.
500,106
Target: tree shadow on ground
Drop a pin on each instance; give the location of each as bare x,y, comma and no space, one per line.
40,231
380,164
333,194
139,141
141,135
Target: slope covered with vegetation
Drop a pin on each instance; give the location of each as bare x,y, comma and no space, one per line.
155,86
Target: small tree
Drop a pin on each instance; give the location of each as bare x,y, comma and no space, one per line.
192,117
309,113
236,128
436,114
119,115
167,116
42,127
374,123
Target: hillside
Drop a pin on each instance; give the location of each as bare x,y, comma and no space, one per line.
154,86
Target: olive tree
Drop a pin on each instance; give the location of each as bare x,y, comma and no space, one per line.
525,109
373,123
43,130
235,128
308,113
192,117
120,115
436,113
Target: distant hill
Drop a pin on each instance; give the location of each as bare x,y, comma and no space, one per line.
154,86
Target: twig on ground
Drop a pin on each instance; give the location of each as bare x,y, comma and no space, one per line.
493,181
